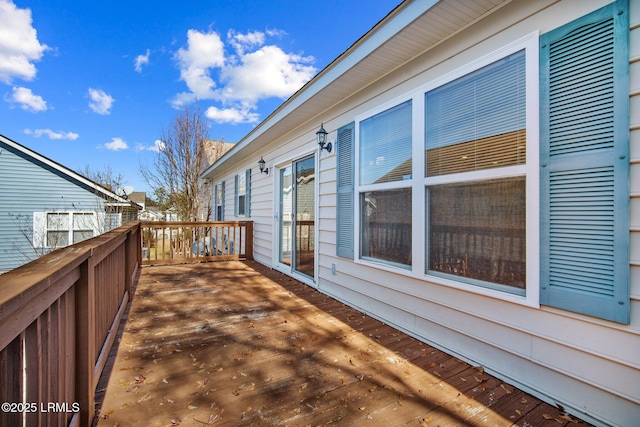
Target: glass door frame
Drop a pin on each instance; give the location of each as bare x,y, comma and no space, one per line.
280,165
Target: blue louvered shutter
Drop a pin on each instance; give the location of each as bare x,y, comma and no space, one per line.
223,197
214,199
585,164
345,183
236,199
247,194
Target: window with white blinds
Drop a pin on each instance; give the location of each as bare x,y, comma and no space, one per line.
385,146
478,121
385,153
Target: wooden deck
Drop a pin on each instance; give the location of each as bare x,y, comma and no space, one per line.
234,343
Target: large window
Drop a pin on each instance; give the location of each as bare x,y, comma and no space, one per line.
477,221
447,179
385,173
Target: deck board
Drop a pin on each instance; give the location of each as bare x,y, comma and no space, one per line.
235,343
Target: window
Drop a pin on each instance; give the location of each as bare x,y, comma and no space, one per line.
385,172
477,222
477,231
386,225
219,201
478,121
82,226
59,229
242,202
385,146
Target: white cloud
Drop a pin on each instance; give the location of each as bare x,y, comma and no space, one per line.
156,147
116,144
231,115
142,60
204,52
252,71
267,72
101,102
28,100
19,45
72,136
242,42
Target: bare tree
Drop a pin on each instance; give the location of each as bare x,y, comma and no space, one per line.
180,161
106,177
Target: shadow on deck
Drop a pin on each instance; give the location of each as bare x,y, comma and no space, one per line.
235,343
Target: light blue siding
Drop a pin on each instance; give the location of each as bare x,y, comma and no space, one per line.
28,186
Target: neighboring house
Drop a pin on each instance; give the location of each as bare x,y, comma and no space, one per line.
139,197
170,214
213,151
45,206
151,214
482,194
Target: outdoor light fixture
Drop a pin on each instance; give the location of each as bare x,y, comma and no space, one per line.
321,135
261,164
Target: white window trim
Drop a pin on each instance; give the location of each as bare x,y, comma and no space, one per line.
218,189
278,164
419,181
238,177
41,231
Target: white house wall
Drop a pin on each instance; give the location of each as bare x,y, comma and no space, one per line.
590,366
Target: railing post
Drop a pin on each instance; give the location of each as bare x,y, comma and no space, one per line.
85,340
249,241
133,255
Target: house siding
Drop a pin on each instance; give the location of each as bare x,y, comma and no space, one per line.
27,187
589,366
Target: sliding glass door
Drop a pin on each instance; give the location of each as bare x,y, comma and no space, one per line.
296,216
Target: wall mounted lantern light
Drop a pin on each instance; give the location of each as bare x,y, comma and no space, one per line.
321,136
261,164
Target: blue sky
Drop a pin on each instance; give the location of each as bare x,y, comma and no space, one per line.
95,83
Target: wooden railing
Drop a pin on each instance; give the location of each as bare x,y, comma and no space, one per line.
59,315
184,242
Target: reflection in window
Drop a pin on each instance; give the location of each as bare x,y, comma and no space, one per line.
478,121
477,230
82,226
386,225
385,146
